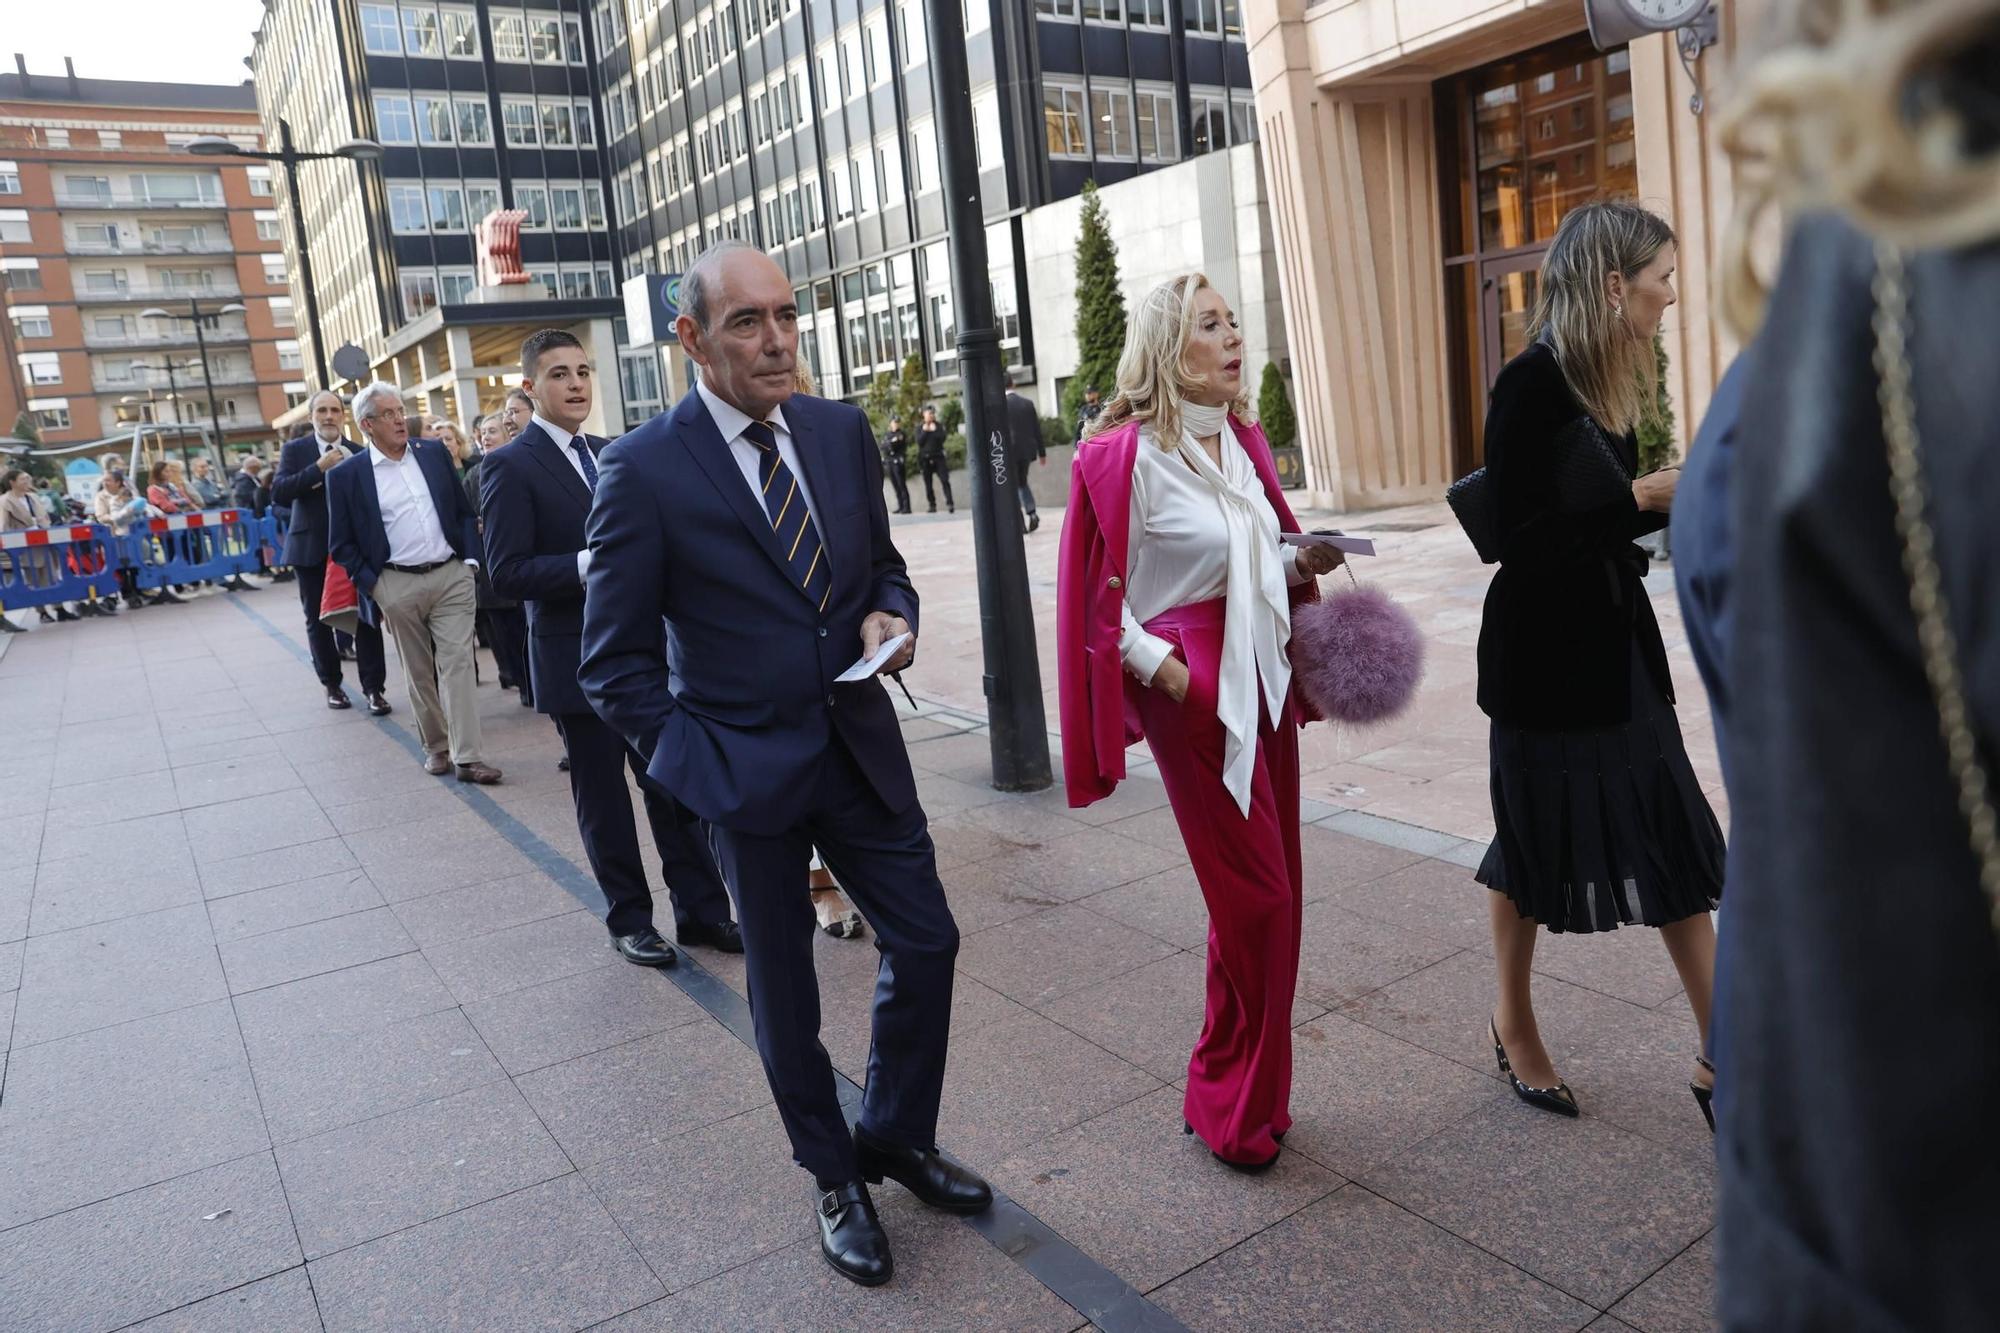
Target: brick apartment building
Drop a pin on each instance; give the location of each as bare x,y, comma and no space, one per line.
105,217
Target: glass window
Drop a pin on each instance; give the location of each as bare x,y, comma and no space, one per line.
50,413
447,207
267,224
572,27
593,204
420,30
575,282
1209,116
1202,17
1148,13
544,39
461,33
566,207
875,59
33,322
1159,132
986,128
1052,9
862,164
87,187
380,31
1111,122
394,122
41,367
22,275
558,126
1062,114
281,312
889,157
586,131
260,181
274,271
910,47
534,200
419,288
481,198
455,285
546,275
475,125
288,354
510,36
1104,11
521,123
433,119
1242,121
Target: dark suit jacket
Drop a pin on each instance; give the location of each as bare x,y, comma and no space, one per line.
536,508
1024,434
355,537
1568,602
737,708
300,486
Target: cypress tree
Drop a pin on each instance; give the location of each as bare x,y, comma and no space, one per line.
913,390
1274,409
1656,427
1100,307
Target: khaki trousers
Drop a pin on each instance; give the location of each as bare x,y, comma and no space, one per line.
430,616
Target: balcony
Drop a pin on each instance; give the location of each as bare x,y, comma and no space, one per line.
126,199
150,294
149,341
112,249
185,382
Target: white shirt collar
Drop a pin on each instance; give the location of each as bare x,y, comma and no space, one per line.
380,459
731,420
555,432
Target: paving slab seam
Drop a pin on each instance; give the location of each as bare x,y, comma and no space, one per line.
185,1305
1086,1285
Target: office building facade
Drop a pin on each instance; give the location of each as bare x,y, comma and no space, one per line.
105,218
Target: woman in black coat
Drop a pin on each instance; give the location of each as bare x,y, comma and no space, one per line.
1599,820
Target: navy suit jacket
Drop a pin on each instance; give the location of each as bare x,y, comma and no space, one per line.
536,508
356,540
737,708
298,487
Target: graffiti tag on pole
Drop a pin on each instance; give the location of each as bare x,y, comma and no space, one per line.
996,455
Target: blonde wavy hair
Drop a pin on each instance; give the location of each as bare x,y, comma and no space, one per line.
1610,369
1153,378
1841,113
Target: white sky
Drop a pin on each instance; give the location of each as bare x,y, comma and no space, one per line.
194,41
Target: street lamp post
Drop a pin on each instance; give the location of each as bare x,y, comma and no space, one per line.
1018,724
289,156
195,315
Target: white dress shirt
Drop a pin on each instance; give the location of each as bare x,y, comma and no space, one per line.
562,439
730,422
1199,532
409,514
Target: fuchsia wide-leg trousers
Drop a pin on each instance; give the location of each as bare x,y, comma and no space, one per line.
1240,1075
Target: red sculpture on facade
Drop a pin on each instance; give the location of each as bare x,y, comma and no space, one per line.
499,235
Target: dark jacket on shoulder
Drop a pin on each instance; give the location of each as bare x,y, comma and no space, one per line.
1569,600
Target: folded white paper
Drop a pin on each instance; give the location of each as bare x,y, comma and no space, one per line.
868,666
1351,545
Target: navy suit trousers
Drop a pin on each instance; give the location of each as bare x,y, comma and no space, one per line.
885,861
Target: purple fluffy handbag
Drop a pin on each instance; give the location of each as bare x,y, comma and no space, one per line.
1356,654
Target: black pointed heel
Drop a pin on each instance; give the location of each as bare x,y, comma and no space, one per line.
1704,1096
1247,1168
1558,1099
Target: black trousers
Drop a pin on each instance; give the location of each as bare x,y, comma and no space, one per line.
598,757
507,627
1027,496
898,472
368,660
935,465
884,859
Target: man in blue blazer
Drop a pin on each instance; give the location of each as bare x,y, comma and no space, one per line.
403,529
751,520
301,485
535,494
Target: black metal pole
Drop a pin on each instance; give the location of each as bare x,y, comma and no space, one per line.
290,158
1017,723
208,384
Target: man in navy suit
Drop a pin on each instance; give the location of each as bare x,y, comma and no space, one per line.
403,528
536,495
301,485
751,520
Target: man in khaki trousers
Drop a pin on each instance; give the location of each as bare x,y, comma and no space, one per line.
402,527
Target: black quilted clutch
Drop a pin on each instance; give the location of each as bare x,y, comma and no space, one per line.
1471,499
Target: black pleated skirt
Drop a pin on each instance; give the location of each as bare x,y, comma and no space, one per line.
1606,828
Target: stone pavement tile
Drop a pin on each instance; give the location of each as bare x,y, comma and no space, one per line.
410,1166
1156,825
1334,861
984,894
1104,1184
232,779
1357,1262
1010,1083
255,824
1023,822
10,965
402,807
942,797
1630,963
163,833
118,796
1168,906
579,1015
1046,955
1680,1298
118,880
525,955
322,898
1344,955
149,1250
1581,1204
340,1004
653,1089
1359,1097
318,946
1089,862
1434,897
947,1276
312,1085
109,1111
1134,796
847,1011
412,860
961,842
204,740
343,757
282,1303
1445,1009
1635,1075
546,1257
283,865
131,751
1605,1323
1151,1016
99,975
688,1230
481,909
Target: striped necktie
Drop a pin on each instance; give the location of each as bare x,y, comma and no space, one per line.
790,517
581,445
